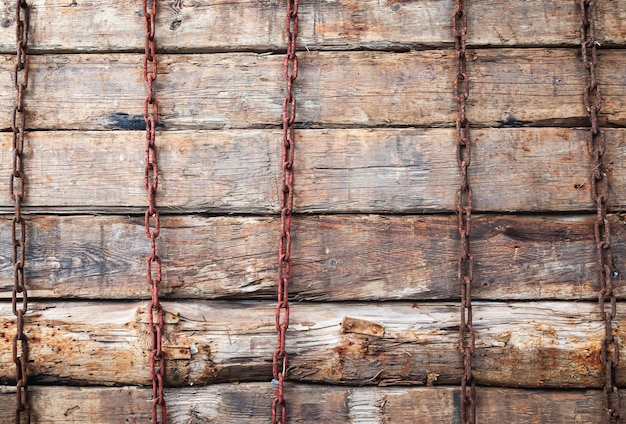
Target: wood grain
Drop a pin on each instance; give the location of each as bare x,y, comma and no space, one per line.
519,344
249,403
85,156
200,25
509,88
336,171
335,258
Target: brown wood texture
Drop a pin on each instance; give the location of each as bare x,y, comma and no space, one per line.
202,25
336,171
520,344
510,87
335,257
250,403
364,66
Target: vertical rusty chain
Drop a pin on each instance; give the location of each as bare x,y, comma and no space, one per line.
18,223
151,218
279,360
600,194
464,210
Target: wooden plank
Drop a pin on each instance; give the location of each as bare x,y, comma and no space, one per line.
509,87
337,171
520,344
334,257
102,25
198,171
250,403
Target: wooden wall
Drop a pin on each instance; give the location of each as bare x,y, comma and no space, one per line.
376,302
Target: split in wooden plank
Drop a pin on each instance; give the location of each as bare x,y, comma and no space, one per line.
226,25
335,258
250,403
520,344
336,171
509,87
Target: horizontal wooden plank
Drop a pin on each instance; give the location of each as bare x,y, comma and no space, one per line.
251,404
230,25
336,171
509,87
334,257
523,344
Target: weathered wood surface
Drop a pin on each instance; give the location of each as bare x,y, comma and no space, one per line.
509,87
204,25
334,257
523,344
251,404
336,171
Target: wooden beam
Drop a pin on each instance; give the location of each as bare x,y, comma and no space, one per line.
243,90
520,344
336,171
250,403
335,258
101,26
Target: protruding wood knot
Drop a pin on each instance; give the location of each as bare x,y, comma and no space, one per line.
361,326
431,378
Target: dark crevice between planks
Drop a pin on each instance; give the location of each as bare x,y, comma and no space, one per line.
382,46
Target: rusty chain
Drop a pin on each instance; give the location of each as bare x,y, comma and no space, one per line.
464,210
279,360
18,223
151,218
596,144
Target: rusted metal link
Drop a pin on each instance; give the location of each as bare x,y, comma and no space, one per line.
596,144
151,217
465,271
280,357
17,191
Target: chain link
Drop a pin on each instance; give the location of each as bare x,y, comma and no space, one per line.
279,360
596,145
151,219
19,298
464,209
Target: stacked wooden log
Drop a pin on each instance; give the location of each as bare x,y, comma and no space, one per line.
375,316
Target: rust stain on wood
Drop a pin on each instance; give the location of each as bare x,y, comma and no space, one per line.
176,352
141,316
361,326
